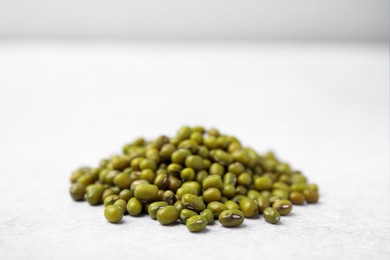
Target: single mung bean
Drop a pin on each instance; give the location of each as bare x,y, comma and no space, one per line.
231,218
160,141
135,163
113,213
148,175
231,205
298,178
159,195
249,207
241,190
147,164
125,194
271,215
153,154
234,146
230,178
196,223
244,179
212,181
102,175
263,203
138,142
311,196
187,174
94,194
297,198
216,207
146,192
217,169
184,133
199,129
169,197
195,162
134,207
280,186
208,215
119,163
85,179
179,205
77,192
223,142
282,194
241,156
203,151
174,169
166,151
173,183
253,194
122,180
193,202
167,215
285,178
161,180
192,184
210,142
263,183
312,187
236,168
283,168
228,191
211,194
197,137
223,157
206,164
284,207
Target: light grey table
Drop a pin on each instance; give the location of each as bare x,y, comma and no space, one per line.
322,107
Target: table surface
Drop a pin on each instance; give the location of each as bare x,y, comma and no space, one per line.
323,107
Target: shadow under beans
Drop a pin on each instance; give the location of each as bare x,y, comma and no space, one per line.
122,222
176,224
240,227
204,231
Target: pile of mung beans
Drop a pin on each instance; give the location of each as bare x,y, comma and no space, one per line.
195,177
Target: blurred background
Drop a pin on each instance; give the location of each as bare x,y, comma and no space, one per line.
99,69
307,79
203,19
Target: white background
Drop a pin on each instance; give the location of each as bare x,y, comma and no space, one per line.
323,108
307,79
